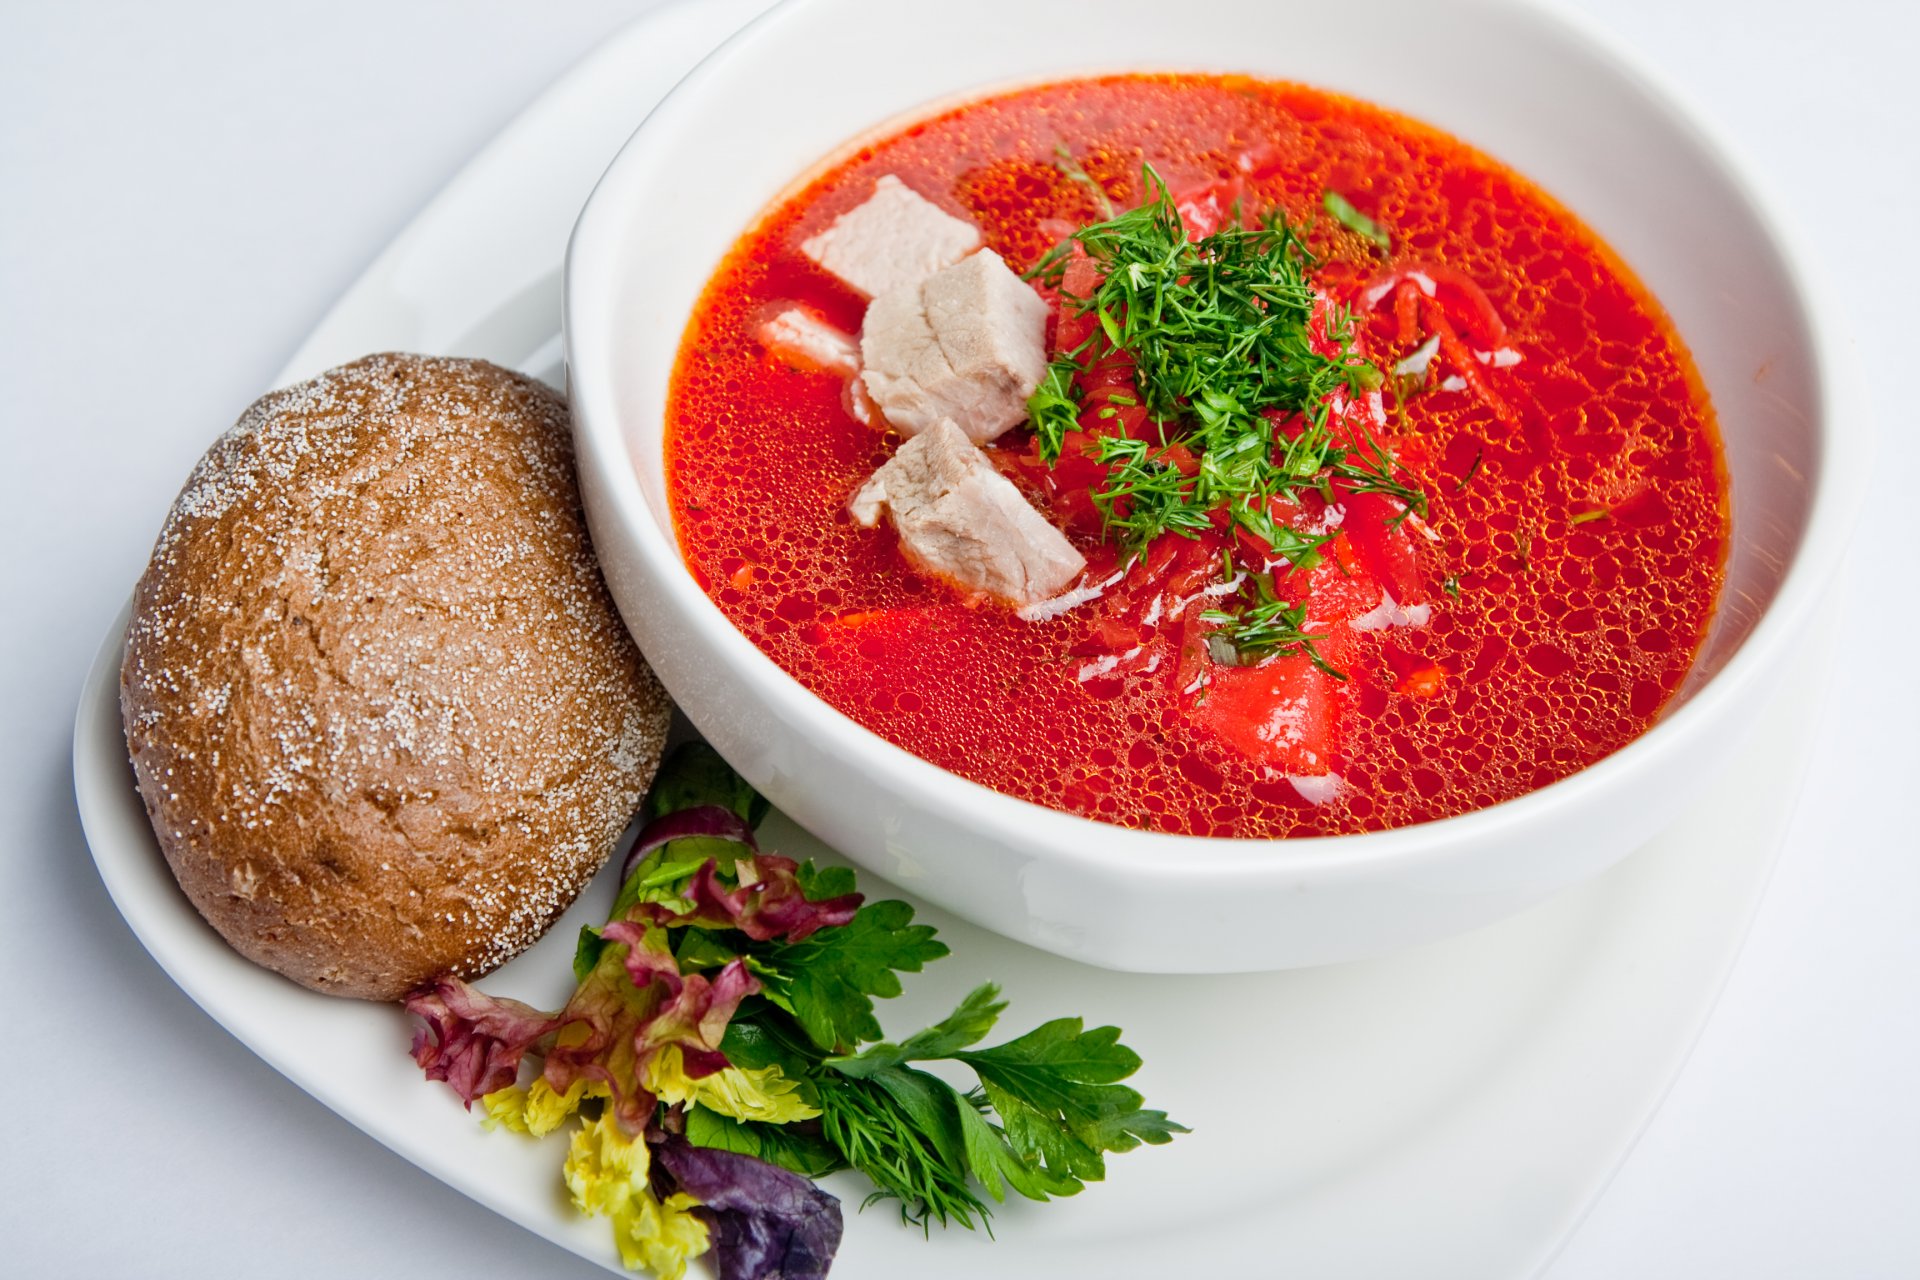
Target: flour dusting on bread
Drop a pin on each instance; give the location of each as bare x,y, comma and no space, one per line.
382,712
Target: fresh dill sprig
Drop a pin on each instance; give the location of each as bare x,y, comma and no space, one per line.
1302,550
1063,161
1218,330
1267,628
1054,407
880,1135
1217,327
1479,456
1371,469
1355,221
1144,495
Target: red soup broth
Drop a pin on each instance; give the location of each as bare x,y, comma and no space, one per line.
1577,542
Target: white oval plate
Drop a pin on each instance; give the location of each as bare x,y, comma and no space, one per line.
1446,1112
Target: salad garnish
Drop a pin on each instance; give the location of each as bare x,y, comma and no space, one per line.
722,1050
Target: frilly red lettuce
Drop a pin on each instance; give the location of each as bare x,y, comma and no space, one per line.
634,1001
766,902
690,1010
633,1004
472,1040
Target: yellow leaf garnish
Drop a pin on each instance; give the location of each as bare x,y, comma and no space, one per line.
762,1094
506,1109
537,1110
659,1236
607,1173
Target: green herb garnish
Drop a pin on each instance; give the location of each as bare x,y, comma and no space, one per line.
828,983
1355,221
1370,469
1144,496
1063,160
1219,332
1268,627
1479,456
1054,408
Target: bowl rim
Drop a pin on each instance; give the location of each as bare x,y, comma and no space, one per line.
1841,453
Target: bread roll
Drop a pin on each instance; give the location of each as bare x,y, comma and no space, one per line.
382,713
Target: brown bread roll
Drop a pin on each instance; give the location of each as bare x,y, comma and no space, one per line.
382,713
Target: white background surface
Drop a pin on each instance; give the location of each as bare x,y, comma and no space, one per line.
183,194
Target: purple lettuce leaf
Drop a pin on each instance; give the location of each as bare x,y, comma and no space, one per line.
767,1223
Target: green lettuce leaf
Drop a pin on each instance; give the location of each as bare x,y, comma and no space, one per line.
797,1147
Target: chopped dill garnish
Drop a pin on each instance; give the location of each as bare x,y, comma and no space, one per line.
1220,334
1217,327
1479,456
1155,495
1355,221
1063,161
1585,517
1451,586
1218,331
1268,627
1370,470
1301,549
1054,407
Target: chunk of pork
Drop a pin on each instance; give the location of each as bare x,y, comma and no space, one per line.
896,238
961,520
968,344
796,336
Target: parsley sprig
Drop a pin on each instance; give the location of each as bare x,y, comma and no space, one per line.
1048,1107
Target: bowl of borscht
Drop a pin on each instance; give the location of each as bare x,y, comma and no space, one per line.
1205,487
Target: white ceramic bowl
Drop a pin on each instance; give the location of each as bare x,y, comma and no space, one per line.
1523,83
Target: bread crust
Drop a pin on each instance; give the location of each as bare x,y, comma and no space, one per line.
382,713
